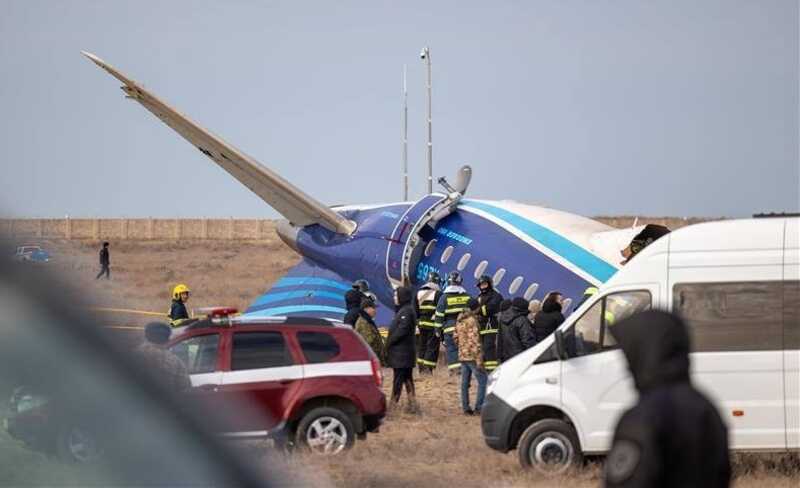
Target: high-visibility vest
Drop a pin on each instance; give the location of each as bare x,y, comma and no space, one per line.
427,299
450,305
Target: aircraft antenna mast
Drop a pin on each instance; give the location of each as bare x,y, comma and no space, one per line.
426,56
405,135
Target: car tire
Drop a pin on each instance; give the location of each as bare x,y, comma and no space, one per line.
77,444
326,431
550,447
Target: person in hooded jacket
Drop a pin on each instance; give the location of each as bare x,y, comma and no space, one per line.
489,300
400,348
366,328
674,435
502,323
352,301
515,329
547,320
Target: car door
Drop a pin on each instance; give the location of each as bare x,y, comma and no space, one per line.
260,381
596,384
201,355
791,332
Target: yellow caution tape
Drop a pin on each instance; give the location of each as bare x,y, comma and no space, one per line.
125,310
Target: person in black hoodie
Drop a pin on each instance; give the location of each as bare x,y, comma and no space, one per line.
674,435
400,348
353,299
547,320
515,328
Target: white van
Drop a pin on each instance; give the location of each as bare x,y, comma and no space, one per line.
737,284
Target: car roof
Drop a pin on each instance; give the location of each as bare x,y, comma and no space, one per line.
242,322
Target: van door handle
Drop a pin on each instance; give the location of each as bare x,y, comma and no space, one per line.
285,382
208,387
551,380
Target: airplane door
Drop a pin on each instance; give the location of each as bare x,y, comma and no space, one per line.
791,332
596,384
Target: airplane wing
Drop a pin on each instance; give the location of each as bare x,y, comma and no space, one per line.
295,205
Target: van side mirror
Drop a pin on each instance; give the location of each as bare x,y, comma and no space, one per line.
561,351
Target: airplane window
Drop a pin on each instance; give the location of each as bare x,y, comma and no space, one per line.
498,276
446,254
515,285
481,268
462,263
429,248
531,291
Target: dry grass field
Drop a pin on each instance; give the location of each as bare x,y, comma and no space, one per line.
439,448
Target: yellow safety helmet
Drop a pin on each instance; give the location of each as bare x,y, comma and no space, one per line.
181,288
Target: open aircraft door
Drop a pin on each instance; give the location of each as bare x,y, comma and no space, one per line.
403,249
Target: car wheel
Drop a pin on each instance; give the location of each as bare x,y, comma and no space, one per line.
326,431
549,446
77,444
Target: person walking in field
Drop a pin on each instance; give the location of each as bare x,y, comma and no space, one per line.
366,328
400,348
105,262
470,354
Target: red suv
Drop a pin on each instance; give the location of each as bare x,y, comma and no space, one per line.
318,382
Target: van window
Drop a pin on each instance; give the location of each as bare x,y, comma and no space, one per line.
590,334
740,316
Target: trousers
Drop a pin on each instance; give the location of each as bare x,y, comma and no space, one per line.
468,369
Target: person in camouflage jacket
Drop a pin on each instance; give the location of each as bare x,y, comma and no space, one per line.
365,326
468,341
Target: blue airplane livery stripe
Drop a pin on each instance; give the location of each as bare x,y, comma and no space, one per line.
299,308
268,298
295,281
575,254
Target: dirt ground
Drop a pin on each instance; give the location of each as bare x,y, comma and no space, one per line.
439,448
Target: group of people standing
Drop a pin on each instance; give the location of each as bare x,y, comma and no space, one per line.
478,332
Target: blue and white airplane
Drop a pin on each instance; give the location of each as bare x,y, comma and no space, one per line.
528,250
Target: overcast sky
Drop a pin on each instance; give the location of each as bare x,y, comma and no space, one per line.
684,108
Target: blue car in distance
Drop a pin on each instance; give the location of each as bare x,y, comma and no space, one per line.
31,254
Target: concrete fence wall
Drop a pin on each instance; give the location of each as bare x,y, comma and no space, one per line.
214,229
139,229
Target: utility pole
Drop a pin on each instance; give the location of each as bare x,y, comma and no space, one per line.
425,55
405,135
